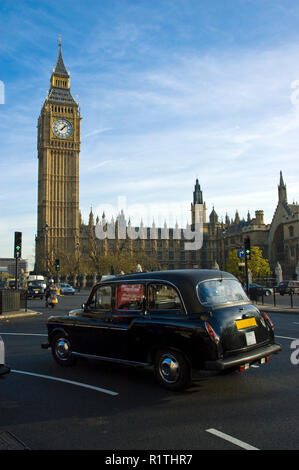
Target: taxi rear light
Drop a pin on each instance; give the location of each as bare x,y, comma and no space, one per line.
268,320
244,367
212,333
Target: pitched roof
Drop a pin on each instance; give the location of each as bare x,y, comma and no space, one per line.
60,67
61,95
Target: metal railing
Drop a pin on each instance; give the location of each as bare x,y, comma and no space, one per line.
259,296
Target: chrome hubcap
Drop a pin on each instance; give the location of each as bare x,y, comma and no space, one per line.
169,368
62,349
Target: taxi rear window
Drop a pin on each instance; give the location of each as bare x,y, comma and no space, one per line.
221,291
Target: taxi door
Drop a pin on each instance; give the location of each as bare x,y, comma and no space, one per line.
92,326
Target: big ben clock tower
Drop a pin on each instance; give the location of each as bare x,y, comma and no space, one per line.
58,147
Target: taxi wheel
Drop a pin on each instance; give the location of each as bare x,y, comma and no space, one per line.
61,350
172,370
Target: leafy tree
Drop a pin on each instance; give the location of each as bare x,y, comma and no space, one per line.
232,263
258,265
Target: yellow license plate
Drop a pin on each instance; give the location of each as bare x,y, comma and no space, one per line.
246,323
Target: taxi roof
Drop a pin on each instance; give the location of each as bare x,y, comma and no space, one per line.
185,280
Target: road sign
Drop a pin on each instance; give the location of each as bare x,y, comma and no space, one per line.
241,253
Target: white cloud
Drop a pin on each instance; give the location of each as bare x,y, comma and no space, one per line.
96,132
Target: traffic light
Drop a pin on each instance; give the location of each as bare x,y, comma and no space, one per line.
18,245
57,265
247,248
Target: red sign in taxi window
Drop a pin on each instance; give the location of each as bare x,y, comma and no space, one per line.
130,296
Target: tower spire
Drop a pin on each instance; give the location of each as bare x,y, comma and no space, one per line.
282,189
197,193
60,82
60,67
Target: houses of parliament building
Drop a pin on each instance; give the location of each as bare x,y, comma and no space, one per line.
61,232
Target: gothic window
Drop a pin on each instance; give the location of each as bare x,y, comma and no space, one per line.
292,251
291,231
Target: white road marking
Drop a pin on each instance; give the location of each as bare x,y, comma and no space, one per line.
24,334
231,439
285,337
71,382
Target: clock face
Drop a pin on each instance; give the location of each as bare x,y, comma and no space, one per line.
62,128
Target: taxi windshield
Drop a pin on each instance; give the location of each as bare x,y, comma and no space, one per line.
221,291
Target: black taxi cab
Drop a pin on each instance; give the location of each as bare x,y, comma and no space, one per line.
176,321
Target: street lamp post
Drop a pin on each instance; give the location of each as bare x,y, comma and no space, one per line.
45,231
78,265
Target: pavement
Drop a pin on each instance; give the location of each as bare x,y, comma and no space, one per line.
268,307
277,308
19,313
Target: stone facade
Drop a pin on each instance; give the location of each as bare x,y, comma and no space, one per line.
58,172
283,237
279,241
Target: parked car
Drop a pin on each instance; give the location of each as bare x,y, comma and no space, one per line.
260,290
66,289
3,368
36,289
175,321
288,287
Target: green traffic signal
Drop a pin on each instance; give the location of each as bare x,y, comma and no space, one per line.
18,244
247,248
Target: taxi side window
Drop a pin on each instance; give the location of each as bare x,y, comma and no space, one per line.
130,297
102,298
162,297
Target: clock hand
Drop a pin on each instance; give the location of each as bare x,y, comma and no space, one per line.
63,127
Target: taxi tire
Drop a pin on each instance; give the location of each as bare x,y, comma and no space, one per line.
172,370
61,350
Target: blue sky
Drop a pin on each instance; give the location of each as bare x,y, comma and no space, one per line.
169,91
